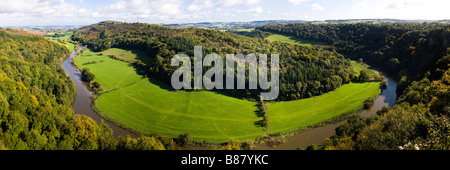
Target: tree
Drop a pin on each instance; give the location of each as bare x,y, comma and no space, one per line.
361,60
364,76
313,147
184,139
4,105
86,75
142,143
233,144
149,143
344,143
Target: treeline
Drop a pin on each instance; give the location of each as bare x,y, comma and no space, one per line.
304,71
253,33
419,56
36,97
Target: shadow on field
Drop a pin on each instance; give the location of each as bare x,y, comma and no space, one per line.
259,123
160,84
260,114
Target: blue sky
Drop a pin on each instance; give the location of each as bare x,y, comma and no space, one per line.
81,12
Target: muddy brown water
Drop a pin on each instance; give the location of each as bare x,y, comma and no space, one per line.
83,97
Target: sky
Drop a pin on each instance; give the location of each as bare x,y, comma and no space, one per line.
83,12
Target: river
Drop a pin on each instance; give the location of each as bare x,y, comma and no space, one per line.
83,98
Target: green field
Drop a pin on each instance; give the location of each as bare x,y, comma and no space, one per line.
151,107
246,29
66,37
128,55
357,67
293,40
110,73
293,115
71,46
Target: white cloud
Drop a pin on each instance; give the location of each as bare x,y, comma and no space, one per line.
288,14
167,7
141,9
316,7
251,2
406,4
229,3
255,10
83,12
297,2
59,12
251,10
120,6
224,5
37,8
392,6
360,6
198,5
412,9
96,14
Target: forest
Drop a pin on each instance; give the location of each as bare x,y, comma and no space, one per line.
304,71
392,47
36,97
418,55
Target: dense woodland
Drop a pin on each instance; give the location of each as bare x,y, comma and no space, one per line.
304,71
391,47
253,33
36,97
419,56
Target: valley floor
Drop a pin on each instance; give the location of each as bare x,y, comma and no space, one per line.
147,106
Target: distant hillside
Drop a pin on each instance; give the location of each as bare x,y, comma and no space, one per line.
229,26
235,26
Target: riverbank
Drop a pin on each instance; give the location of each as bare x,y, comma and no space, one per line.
83,97
308,135
318,134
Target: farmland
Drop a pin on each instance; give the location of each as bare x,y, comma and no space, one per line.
292,115
148,106
111,73
292,40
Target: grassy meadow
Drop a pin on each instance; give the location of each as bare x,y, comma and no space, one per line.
129,56
110,73
293,115
246,29
292,40
60,40
357,67
71,46
148,106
